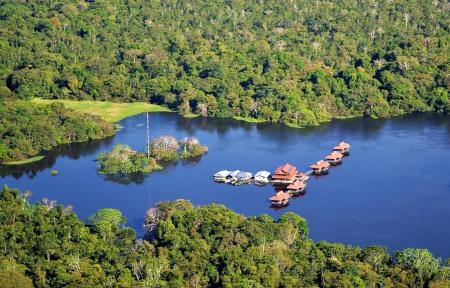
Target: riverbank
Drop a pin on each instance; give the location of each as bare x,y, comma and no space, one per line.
25,161
109,111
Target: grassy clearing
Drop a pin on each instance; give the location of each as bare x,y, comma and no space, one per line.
26,161
110,111
248,119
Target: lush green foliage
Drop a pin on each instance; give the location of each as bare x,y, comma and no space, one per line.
124,160
298,61
168,148
191,148
26,130
208,246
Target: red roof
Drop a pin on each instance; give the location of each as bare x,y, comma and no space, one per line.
334,155
320,165
280,196
287,171
296,185
342,146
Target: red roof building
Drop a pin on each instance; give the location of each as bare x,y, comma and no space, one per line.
333,156
297,185
319,165
285,172
280,196
342,146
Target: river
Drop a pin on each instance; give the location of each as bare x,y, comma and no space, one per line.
393,190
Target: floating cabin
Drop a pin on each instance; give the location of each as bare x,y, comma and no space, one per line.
334,158
242,178
285,174
222,176
280,199
262,177
343,148
320,167
302,177
296,187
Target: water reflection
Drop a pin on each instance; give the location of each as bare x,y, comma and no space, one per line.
72,151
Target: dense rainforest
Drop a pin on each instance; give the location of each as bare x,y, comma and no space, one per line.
46,245
298,61
27,130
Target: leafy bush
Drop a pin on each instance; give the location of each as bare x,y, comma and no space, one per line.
300,62
26,130
124,160
206,246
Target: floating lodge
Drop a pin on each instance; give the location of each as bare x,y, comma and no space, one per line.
343,148
320,167
334,158
285,174
286,179
280,199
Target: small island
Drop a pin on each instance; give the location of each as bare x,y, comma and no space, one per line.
163,150
124,160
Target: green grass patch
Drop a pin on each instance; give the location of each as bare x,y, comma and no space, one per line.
110,111
248,119
26,161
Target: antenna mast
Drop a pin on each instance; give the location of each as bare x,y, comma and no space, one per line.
148,138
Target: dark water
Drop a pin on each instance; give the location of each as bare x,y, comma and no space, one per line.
394,189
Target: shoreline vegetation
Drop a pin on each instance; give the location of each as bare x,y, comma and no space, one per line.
27,131
276,61
123,160
24,161
190,246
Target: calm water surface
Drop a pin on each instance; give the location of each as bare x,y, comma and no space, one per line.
393,190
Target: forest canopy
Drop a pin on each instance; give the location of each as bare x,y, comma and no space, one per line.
27,130
300,62
46,245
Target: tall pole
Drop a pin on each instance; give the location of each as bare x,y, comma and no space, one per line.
148,138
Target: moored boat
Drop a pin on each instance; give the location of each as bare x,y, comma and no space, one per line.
280,199
334,158
222,176
262,177
343,148
320,167
232,176
243,178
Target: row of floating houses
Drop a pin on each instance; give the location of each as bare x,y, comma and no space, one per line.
287,180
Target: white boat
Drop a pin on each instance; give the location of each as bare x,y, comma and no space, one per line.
222,176
262,177
242,178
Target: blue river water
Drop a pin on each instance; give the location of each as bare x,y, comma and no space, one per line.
393,190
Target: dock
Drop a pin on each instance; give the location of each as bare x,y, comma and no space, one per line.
286,177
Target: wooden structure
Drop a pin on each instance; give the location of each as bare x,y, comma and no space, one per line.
280,199
320,167
343,148
302,177
285,174
296,187
334,158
